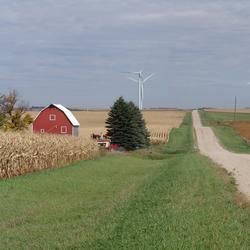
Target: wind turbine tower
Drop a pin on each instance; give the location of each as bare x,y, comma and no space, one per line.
140,81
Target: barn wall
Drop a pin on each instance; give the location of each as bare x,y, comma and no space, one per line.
52,127
75,131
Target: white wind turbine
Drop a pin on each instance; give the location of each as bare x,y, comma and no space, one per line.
141,80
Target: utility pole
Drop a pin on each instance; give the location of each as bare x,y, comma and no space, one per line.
235,107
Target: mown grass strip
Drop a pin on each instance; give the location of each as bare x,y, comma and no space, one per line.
55,208
186,206
181,139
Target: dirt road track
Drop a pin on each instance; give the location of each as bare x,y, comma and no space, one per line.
237,164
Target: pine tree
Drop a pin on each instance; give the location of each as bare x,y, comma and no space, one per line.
126,126
142,131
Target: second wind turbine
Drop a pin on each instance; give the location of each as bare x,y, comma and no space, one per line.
140,80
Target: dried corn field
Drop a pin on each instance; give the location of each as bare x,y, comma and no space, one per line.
26,152
159,122
159,137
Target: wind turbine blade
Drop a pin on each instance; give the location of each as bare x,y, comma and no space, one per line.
132,79
147,78
130,72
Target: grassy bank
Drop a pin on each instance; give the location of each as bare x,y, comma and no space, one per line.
126,202
228,137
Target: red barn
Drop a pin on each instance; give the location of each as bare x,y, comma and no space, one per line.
56,119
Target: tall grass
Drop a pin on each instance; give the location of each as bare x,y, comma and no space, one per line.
25,152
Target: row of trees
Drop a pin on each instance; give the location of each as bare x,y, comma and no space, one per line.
13,114
126,126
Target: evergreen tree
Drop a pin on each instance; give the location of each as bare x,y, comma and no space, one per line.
126,126
142,131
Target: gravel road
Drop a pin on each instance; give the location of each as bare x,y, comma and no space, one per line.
237,164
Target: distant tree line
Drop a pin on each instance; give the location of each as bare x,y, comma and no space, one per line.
13,115
126,126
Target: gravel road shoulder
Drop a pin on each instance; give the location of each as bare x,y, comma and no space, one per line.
237,164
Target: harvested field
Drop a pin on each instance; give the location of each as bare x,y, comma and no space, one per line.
159,122
242,128
26,152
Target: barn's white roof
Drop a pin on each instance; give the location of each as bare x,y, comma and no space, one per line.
67,112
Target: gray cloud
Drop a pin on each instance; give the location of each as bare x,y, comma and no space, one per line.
73,51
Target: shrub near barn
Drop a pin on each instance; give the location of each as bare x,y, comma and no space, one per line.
13,116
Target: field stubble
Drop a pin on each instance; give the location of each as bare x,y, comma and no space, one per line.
242,128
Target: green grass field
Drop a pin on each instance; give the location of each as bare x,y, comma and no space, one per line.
227,136
161,198
216,118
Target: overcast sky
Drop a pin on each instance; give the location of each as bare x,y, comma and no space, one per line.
73,51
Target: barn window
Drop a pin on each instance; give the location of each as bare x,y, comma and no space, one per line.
52,117
42,131
63,129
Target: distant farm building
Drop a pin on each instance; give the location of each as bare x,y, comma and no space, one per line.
102,140
56,119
